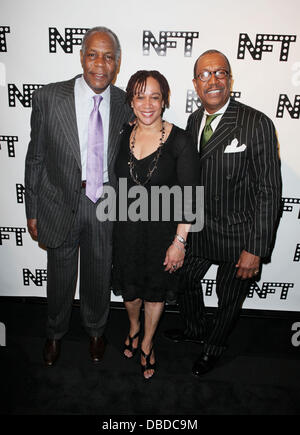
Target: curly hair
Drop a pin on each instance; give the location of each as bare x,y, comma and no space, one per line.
137,83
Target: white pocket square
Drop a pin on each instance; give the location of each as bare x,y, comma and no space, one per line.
234,148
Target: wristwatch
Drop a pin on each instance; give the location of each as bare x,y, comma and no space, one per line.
181,239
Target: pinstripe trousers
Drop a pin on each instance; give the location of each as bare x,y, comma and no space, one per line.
93,240
231,292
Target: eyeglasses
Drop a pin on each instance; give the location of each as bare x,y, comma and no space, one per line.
205,75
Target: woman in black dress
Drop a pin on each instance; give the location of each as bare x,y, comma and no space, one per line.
148,251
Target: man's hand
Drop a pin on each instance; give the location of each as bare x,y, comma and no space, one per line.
248,265
32,228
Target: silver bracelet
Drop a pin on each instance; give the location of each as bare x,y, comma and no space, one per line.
181,239
177,246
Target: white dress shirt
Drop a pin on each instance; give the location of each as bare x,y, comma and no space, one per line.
214,123
84,105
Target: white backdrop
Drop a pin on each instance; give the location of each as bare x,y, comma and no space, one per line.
40,43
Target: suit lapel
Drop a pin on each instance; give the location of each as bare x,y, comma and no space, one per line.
65,109
116,119
226,127
197,123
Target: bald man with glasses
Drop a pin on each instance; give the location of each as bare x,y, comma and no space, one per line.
240,172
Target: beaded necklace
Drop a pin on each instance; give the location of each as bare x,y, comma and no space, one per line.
154,161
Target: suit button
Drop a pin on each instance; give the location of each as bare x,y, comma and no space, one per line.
228,177
217,198
216,218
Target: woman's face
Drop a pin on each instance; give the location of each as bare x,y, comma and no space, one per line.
148,105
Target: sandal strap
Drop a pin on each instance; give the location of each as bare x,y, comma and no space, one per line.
148,365
135,336
129,345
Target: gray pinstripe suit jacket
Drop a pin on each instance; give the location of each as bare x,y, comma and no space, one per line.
53,165
242,187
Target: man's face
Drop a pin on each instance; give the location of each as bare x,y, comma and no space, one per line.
215,92
99,61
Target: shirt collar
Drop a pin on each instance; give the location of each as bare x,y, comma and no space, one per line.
89,93
220,111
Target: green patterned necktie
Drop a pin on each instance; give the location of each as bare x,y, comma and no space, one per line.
208,131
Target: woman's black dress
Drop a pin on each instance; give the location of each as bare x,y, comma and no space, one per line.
140,246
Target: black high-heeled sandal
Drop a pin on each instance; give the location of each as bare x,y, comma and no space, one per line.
130,347
148,365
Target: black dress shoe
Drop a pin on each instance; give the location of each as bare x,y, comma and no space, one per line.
204,364
177,335
97,348
51,351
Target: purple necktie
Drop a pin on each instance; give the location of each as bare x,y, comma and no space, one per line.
94,164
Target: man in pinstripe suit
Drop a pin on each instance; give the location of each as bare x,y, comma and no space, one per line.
240,172
59,213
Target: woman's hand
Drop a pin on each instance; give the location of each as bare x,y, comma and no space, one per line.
174,257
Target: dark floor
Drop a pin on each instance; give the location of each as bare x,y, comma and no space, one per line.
259,373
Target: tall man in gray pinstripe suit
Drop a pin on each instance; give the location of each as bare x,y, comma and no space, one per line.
59,214
240,172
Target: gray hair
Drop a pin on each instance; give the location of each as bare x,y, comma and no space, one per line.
102,29
212,51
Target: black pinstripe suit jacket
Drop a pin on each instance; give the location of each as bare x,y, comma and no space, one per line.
53,163
240,172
